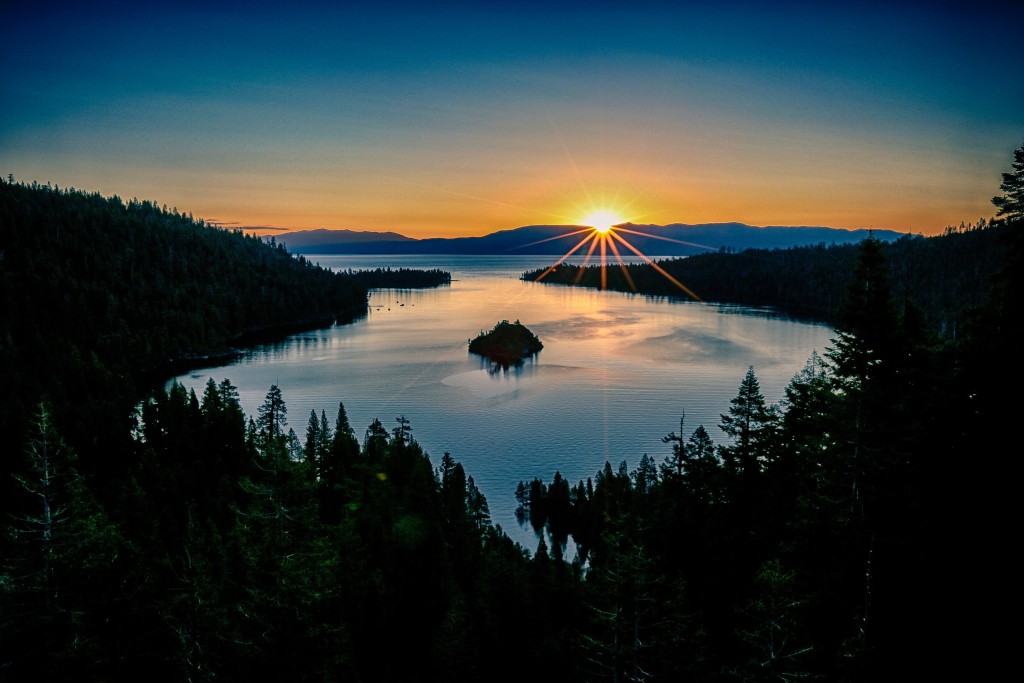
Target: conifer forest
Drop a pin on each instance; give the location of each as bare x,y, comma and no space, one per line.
858,530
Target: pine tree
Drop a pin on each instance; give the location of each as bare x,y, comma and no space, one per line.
702,466
772,629
311,449
477,508
344,447
337,465
375,442
748,424
325,443
272,415
674,464
62,571
319,443
867,327
1011,205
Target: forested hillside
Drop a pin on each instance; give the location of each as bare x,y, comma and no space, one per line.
945,277
232,552
100,294
860,530
836,536
401,278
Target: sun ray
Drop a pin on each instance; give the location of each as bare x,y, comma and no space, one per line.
602,220
654,265
604,259
592,235
605,240
556,237
586,260
569,156
622,264
666,239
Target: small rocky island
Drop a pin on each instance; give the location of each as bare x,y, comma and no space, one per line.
506,344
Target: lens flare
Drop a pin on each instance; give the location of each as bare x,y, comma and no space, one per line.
602,220
604,231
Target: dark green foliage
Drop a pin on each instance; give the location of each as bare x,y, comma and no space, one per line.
847,534
100,297
507,343
970,482
1011,204
235,555
945,276
749,424
770,628
59,574
272,417
833,536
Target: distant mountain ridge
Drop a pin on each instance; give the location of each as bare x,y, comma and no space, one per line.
320,236
676,239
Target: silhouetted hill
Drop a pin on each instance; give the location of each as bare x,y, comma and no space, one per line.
306,239
677,239
101,295
944,276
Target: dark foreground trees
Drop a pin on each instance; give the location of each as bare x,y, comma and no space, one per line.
861,530
831,537
231,551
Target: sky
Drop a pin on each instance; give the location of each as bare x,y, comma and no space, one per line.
450,119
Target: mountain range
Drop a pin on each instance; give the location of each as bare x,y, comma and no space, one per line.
677,239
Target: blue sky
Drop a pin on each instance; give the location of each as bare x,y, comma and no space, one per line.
448,119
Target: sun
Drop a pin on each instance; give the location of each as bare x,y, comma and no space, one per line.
605,230
602,220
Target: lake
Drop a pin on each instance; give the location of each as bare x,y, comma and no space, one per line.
616,372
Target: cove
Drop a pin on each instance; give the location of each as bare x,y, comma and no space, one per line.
614,376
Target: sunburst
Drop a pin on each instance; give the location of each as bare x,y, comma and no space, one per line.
603,232
602,220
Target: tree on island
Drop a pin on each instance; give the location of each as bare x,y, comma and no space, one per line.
507,343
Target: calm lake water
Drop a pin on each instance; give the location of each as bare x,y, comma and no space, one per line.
616,372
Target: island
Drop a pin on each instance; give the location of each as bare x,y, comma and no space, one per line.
506,344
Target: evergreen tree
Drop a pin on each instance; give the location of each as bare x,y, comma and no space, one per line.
674,463
224,427
318,446
324,445
538,504
476,507
522,496
625,639
339,459
375,442
272,415
749,424
312,448
451,478
867,327
702,466
55,583
645,477
1011,205
403,432
772,630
